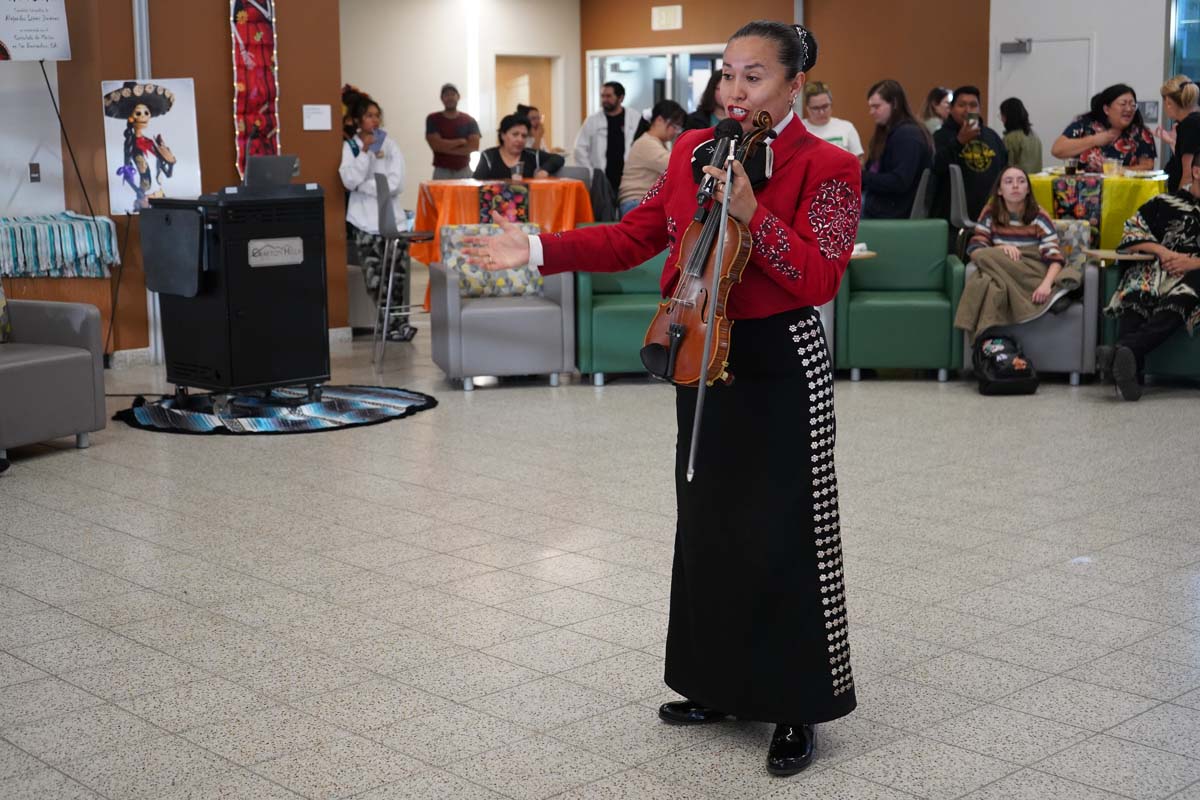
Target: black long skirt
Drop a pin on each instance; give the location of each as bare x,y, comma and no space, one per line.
758,606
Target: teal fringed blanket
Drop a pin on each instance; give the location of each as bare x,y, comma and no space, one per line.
64,245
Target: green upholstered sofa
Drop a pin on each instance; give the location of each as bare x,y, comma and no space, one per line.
1179,357
897,310
612,312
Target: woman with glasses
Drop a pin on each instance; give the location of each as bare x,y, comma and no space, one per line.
820,121
1112,129
648,155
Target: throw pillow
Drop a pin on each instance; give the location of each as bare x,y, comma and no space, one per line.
473,279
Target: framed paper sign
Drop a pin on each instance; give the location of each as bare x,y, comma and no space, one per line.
33,30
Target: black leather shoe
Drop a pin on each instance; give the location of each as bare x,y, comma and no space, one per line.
791,749
1124,372
685,712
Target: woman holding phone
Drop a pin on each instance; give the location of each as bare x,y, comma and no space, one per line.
368,153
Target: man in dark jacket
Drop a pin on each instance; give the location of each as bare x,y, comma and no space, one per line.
977,149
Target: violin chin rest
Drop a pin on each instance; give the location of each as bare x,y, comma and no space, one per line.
656,358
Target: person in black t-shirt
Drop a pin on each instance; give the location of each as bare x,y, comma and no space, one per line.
965,140
606,136
1180,98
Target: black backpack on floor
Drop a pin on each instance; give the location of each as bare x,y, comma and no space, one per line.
1001,366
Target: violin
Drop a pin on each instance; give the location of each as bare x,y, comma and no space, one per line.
688,339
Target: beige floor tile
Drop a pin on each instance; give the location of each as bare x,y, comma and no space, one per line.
632,675
44,783
1132,770
80,733
1031,785
532,769
372,704
255,736
484,628
432,785
545,703
972,676
555,650
340,768
1083,705
146,770
906,705
1006,734
562,607
38,699
193,705
1175,729
632,736
634,628
927,768
451,734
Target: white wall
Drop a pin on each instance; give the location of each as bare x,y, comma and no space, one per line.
29,132
1128,44
402,51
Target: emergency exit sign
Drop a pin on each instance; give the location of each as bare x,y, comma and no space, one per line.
666,18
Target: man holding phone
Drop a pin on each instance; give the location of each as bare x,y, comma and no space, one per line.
966,141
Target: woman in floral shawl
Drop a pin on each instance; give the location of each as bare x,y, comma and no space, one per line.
1155,298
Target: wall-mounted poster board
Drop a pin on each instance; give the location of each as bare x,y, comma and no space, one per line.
34,30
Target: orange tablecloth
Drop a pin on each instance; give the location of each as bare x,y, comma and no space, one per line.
557,204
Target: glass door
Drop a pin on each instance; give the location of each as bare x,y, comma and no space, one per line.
680,74
1185,39
643,76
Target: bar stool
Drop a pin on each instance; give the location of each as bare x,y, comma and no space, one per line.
395,260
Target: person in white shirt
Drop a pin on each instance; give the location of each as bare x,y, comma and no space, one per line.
819,119
649,156
605,138
368,153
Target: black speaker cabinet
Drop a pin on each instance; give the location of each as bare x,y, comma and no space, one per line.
241,277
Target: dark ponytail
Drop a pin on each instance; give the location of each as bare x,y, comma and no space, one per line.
797,46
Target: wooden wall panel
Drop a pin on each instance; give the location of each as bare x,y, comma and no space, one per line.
192,40
920,43
613,24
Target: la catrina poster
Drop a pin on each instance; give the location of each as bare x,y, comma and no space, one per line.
255,79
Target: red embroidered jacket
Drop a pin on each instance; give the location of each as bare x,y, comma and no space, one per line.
803,230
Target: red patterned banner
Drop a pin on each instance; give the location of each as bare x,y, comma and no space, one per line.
255,79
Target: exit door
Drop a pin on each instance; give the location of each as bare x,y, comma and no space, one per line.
1053,102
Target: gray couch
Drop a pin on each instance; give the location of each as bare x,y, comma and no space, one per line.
51,374
527,335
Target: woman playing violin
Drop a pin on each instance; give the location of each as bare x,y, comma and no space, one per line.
757,624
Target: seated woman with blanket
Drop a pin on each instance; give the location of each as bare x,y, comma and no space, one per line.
1155,298
1020,272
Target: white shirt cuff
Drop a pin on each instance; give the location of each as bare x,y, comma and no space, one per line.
535,252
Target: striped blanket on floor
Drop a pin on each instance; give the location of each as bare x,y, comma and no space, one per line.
63,245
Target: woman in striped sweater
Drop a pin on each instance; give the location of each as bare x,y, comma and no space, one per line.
1020,272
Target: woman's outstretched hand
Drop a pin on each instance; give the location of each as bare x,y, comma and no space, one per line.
506,250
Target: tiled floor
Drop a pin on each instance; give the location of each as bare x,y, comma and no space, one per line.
472,603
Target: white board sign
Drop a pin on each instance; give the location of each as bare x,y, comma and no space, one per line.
318,117
666,18
32,30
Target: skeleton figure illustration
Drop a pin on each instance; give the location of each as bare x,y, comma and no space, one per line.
138,104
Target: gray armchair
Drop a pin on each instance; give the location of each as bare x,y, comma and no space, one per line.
1063,342
525,335
51,374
